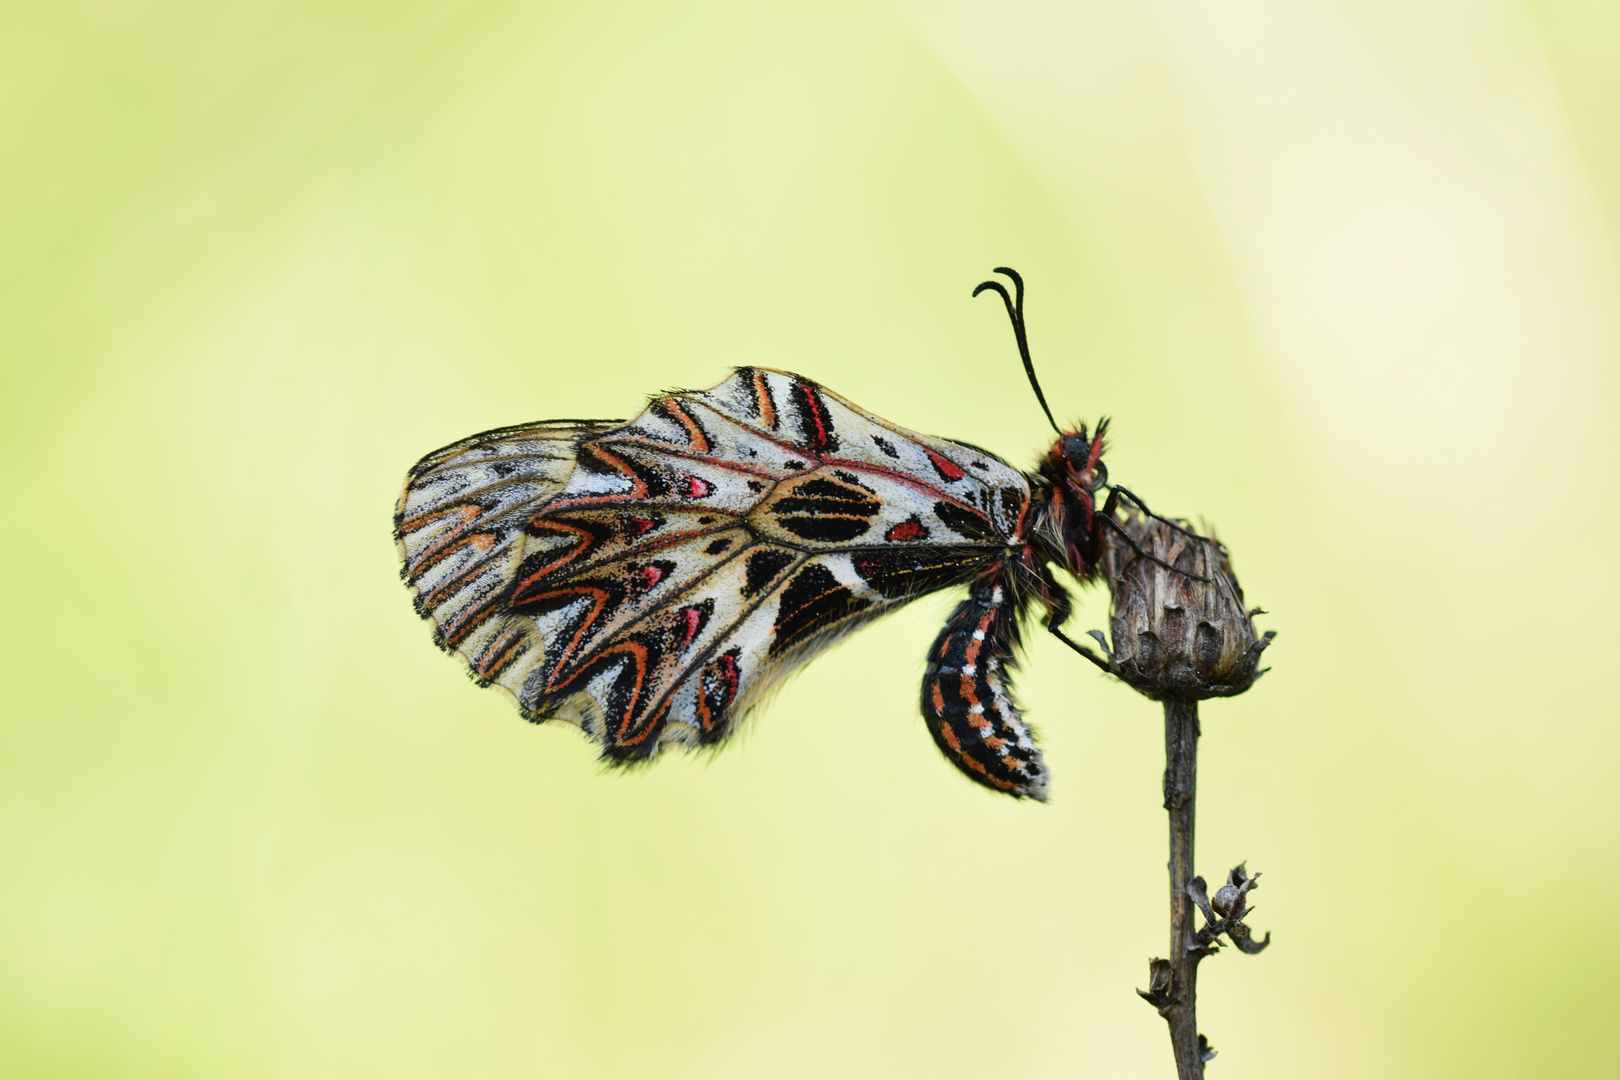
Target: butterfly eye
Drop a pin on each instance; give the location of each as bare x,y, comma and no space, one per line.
1076,450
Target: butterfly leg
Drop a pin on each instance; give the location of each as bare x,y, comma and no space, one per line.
1116,492
1055,598
1149,556
1084,650
967,701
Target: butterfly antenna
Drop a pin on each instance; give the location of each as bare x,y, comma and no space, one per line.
1015,312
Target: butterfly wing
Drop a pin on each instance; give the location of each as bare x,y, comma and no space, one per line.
459,525
652,581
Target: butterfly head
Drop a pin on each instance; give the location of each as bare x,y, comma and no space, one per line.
1067,527
1068,530
1075,464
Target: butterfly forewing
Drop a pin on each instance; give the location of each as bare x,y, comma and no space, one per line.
651,581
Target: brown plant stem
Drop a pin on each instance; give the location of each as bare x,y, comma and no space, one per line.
1180,799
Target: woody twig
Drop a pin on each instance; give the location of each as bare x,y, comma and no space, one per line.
1180,633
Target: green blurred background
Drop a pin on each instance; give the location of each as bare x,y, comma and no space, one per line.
1342,270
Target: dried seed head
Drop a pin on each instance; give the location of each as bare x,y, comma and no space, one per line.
1174,635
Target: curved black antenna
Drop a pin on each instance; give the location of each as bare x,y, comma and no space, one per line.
1015,312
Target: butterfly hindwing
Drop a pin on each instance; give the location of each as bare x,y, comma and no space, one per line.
459,525
653,580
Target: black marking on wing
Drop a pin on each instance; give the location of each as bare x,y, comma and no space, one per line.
896,573
965,522
815,425
762,568
718,685
1012,507
813,602
500,653
581,535
826,511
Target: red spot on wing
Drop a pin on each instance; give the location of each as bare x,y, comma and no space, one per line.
909,529
717,689
817,427
820,421
639,525
947,469
694,487
729,675
650,575
694,622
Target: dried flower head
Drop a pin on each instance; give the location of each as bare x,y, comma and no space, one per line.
1174,634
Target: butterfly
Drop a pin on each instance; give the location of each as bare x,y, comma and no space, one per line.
652,580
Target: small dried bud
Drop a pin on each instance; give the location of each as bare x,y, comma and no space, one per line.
1161,976
1231,900
1224,914
1174,634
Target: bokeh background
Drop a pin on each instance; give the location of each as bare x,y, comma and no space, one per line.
1343,271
